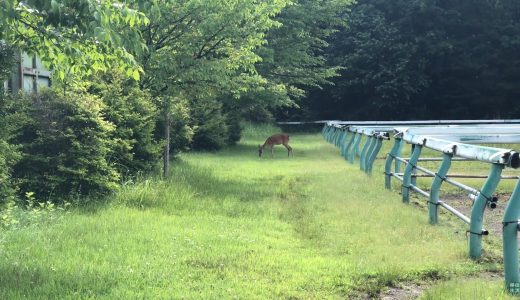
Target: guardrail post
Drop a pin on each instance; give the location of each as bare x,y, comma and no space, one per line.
477,212
414,171
372,157
389,158
368,144
339,136
326,133
368,154
407,176
343,144
349,144
355,148
331,134
436,186
510,241
398,164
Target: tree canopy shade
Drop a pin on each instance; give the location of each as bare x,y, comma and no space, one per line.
417,59
75,37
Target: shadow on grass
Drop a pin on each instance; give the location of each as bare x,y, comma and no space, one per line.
193,188
26,282
204,182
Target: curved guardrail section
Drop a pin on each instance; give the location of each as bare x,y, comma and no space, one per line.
454,140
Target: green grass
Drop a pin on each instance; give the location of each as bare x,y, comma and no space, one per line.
231,225
485,289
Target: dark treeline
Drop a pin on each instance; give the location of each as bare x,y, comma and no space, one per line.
424,59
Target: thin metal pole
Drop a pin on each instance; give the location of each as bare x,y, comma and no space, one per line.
428,175
510,242
477,212
455,212
398,154
414,169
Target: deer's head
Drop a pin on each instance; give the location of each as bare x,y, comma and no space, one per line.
260,151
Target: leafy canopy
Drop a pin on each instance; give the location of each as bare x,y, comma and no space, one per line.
75,37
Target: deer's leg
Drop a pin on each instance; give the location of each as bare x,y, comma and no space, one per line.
272,151
289,149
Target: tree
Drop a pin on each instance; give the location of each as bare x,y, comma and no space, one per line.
293,59
197,49
75,37
413,59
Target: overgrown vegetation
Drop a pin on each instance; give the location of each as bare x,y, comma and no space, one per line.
229,224
66,145
137,80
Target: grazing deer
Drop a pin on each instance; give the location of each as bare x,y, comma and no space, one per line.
273,140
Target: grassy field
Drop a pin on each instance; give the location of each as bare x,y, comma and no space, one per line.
231,225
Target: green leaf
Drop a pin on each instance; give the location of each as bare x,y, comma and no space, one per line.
136,75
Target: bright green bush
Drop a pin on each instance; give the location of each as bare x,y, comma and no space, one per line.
181,132
65,144
130,109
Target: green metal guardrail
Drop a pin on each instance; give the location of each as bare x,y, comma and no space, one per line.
455,142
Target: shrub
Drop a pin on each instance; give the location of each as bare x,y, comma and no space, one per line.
233,120
130,109
181,133
210,128
9,154
65,144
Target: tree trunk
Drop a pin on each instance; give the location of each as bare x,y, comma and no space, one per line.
166,156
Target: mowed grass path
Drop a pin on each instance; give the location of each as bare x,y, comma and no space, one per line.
231,225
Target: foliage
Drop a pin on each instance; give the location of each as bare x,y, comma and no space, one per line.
131,110
200,50
424,59
199,47
293,59
9,154
294,55
233,121
65,144
75,37
181,129
211,130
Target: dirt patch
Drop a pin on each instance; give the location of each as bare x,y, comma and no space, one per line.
404,292
408,290
492,218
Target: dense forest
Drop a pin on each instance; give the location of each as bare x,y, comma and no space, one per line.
137,81
422,59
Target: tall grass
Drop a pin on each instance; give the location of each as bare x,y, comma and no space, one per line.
232,225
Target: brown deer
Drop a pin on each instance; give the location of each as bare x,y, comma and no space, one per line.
273,140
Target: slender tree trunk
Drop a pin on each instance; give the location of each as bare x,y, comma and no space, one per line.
166,157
